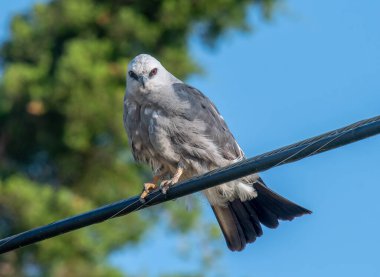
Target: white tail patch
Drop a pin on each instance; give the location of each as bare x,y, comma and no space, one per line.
245,191
230,191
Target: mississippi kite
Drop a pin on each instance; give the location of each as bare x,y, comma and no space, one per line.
179,132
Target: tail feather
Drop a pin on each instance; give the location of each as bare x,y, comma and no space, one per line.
240,221
244,220
230,226
266,216
282,207
254,218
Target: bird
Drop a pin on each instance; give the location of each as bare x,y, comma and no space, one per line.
177,130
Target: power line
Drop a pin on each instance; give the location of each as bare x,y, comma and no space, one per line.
287,154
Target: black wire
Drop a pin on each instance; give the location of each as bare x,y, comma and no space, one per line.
287,154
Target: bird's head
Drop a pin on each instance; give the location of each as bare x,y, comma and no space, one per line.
146,73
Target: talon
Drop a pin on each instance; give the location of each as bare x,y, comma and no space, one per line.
165,185
148,187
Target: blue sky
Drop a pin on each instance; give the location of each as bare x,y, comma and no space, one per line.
314,68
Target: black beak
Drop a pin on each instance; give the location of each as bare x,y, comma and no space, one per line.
142,80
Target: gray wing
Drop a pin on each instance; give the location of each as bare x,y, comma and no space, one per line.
137,134
165,134
131,118
148,138
204,113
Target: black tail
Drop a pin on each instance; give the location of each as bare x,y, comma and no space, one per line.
240,221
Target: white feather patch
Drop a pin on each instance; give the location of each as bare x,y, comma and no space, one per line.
230,191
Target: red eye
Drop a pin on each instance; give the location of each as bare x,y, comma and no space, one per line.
153,72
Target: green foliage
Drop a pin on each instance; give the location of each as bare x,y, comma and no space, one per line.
63,149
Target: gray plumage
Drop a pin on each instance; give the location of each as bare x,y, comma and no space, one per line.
171,125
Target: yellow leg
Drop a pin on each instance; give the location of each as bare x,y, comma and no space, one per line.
148,187
166,184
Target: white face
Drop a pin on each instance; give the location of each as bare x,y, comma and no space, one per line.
145,73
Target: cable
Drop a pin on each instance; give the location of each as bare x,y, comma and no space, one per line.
287,154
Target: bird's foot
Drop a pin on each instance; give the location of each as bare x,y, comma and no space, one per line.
148,187
165,185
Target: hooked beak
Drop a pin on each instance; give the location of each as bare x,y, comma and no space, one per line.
142,80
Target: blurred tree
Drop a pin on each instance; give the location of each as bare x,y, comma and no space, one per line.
62,144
